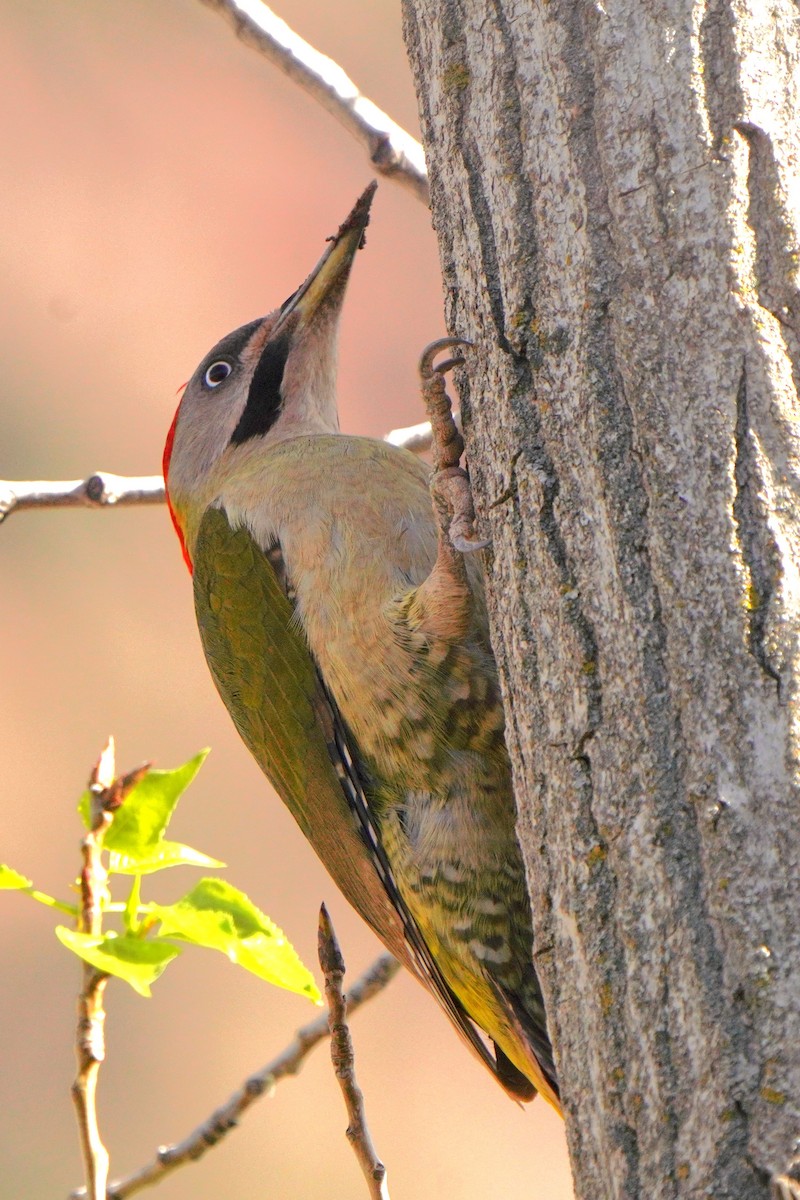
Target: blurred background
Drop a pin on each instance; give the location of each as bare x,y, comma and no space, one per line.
162,184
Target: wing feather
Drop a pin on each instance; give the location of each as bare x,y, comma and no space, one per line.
268,680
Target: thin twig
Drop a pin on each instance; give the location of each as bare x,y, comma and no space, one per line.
226,1118
101,490
107,793
417,439
393,151
332,964
90,1034
104,490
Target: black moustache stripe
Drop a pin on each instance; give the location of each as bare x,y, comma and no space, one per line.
264,398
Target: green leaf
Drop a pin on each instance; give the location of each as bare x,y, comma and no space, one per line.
147,810
131,912
219,916
142,820
157,858
135,839
138,962
9,878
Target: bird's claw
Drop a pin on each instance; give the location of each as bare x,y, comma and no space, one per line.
443,367
468,545
787,1185
426,367
451,487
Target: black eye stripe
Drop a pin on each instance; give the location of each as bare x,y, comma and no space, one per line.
264,398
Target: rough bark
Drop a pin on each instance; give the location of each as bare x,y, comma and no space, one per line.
615,191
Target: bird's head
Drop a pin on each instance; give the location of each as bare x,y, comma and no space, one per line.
270,380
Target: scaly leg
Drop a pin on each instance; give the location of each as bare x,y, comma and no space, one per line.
450,481
444,601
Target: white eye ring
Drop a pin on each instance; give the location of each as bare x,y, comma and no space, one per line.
217,373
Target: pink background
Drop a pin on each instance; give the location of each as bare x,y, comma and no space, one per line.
162,184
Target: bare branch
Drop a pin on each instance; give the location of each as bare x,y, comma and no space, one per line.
416,438
104,490
393,152
332,963
101,490
226,1118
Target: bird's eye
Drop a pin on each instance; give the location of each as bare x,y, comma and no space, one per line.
217,373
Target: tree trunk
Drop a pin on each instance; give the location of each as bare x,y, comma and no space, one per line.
615,193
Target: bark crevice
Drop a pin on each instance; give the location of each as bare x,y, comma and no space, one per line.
757,549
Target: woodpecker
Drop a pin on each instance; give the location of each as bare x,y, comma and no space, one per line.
349,642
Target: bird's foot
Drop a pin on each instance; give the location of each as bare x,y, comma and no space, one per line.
787,1185
450,482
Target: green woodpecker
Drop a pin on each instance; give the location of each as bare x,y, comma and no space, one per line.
352,652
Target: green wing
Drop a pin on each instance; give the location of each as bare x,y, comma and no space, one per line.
269,684
271,687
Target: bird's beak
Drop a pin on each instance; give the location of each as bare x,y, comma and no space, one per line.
329,277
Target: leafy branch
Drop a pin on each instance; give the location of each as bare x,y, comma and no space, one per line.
126,819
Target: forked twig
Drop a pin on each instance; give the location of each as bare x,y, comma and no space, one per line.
332,964
262,1083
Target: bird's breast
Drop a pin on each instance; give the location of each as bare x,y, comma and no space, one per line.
355,525
354,522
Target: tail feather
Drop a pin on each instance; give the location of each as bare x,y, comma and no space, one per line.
511,1078
532,1045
